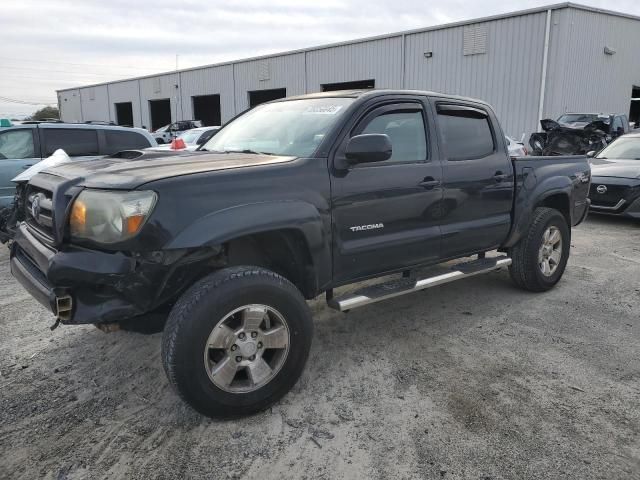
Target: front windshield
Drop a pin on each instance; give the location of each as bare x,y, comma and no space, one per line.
293,128
624,148
190,136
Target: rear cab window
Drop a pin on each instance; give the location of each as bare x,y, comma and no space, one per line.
17,144
465,131
76,142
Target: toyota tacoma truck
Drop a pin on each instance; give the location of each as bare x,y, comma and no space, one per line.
290,200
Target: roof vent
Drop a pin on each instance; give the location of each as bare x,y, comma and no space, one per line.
609,51
263,71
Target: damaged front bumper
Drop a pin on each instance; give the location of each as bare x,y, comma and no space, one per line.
87,286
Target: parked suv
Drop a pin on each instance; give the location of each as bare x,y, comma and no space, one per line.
24,145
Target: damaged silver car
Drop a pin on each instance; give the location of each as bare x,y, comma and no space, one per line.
577,133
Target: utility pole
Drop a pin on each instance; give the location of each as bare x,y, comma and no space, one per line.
178,93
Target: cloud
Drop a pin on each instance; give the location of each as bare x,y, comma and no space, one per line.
51,45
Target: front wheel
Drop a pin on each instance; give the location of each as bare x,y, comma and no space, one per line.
237,341
540,258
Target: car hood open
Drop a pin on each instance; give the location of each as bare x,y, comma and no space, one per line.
121,173
601,167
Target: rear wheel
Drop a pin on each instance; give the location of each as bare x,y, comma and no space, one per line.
540,258
237,341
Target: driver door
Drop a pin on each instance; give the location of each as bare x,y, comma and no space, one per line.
386,215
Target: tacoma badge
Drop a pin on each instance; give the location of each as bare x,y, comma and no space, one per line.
373,226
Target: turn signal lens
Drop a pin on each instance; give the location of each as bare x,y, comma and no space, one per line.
134,223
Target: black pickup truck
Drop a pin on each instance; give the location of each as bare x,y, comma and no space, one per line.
291,200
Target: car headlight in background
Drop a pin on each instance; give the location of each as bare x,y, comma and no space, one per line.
110,216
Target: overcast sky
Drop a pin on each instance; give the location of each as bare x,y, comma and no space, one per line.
47,45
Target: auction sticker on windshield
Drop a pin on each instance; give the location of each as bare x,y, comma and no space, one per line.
323,109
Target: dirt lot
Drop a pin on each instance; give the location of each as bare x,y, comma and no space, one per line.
474,380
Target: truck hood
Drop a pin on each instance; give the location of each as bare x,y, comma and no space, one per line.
601,167
120,173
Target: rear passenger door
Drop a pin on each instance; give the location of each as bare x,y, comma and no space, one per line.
477,178
19,150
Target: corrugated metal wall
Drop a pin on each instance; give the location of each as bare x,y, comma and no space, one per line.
121,92
284,71
208,81
582,78
375,59
95,103
508,75
156,88
70,106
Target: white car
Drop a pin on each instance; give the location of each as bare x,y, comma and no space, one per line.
168,132
192,138
516,149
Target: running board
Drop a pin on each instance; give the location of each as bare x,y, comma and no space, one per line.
402,286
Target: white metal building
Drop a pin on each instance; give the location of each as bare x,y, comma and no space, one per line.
529,64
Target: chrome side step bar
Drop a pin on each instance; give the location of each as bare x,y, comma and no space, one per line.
402,286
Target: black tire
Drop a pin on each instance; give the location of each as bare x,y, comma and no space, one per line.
196,314
525,270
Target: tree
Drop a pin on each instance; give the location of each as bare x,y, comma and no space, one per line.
46,112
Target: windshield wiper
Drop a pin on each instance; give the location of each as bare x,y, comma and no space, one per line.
246,150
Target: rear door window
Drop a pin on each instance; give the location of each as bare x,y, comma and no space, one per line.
17,144
118,140
76,142
466,132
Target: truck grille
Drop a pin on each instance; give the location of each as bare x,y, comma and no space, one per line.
611,197
39,210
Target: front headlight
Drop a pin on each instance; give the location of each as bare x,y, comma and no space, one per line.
110,216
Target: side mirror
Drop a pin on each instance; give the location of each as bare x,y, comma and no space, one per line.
372,147
591,154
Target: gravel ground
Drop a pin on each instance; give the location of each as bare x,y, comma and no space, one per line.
472,380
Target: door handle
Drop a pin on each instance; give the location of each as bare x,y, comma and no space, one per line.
429,182
499,176
24,167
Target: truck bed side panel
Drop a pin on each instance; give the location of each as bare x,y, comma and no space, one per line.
544,181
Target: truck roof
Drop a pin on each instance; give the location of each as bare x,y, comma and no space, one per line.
374,92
